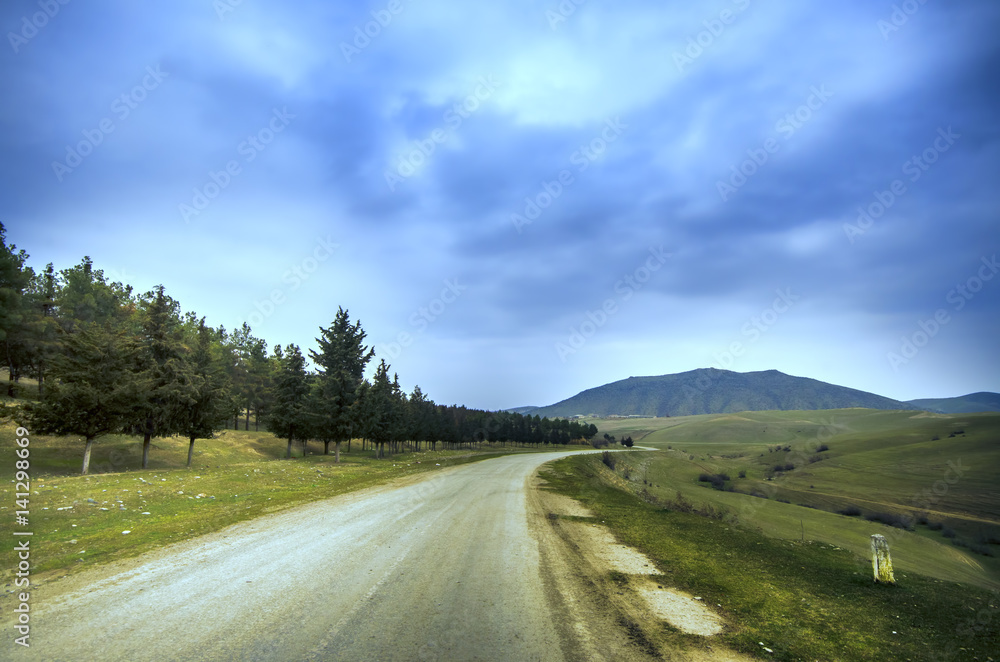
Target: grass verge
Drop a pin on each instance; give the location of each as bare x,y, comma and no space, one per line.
803,600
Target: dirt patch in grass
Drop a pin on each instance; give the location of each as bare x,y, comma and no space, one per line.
598,543
682,610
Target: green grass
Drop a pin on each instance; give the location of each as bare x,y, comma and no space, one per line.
78,521
804,600
878,461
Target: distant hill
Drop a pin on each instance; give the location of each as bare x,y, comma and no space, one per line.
522,410
965,404
713,391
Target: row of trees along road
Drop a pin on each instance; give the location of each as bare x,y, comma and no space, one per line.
109,361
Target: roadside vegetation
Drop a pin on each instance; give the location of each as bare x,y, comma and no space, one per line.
925,481
785,599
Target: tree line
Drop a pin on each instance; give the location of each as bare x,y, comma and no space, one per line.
110,361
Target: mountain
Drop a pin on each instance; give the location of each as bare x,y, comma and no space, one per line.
523,410
965,404
713,391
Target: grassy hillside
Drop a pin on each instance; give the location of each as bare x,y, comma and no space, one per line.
935,473
974,402
783,599
711,391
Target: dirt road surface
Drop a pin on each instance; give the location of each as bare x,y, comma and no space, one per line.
456,565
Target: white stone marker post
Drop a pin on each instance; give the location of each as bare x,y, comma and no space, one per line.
881,561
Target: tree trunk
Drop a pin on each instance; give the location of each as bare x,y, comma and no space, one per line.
236,421
86,455
145,449
326,447
336,451
246,427
305,447
190,450
288,453
256,420
348,445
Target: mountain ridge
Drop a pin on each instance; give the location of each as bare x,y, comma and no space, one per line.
714,391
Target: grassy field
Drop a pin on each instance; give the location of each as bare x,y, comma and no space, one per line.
802,600
79,521
878,463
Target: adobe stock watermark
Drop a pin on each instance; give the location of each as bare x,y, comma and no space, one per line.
291,280
363,35
757,326
899,17
552,189
958,297
714,28
426,315
225,7
564,10
625,288
409,164
914,168
122,107
30,25
786,127
249,149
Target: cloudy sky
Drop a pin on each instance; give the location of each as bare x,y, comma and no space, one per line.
521,200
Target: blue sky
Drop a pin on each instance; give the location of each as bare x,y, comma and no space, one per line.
522,200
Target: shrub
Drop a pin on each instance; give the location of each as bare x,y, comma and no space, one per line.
743,473
891,520
948,532
608,458
850,511
822,447
935,526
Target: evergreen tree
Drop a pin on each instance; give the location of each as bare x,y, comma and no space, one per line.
172,386
84,295
289,416
340,363
14,280
93,389
210,406
383,409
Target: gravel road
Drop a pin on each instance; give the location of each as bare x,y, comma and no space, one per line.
442,567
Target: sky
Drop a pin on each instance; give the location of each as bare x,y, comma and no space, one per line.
522,200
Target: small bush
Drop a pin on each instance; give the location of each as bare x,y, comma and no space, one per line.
850,511
608,458
891,520
822,447
935,526
948,532
743,473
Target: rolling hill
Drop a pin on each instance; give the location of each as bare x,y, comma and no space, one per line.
965,404
714,391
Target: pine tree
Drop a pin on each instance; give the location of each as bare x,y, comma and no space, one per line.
340,363
93,389
383,410
289,417
172,385
211,400
14,280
